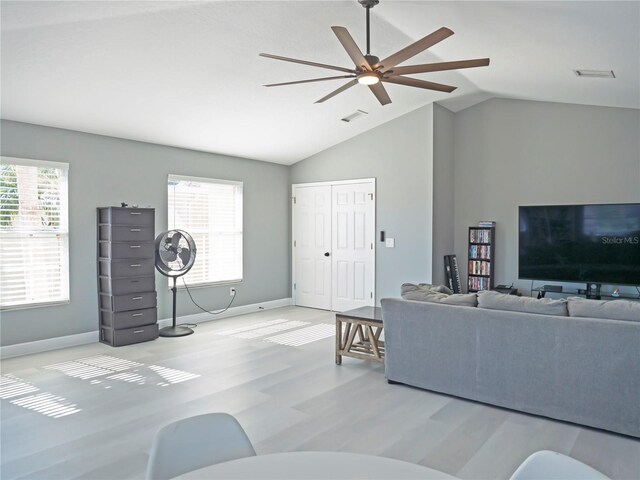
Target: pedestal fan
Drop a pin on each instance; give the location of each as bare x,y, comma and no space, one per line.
175,254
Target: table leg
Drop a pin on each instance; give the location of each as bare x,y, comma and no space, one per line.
373,341
338,340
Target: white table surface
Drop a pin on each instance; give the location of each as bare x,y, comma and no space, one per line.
316,465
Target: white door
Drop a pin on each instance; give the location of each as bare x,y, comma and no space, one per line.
334,245
312,246
352,253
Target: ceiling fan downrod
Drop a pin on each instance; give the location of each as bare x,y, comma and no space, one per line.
368,5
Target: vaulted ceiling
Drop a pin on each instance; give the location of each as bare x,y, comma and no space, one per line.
188,74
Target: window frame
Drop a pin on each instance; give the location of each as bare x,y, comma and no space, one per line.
171,226
64,233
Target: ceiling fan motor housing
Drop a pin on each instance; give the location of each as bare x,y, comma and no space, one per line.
368,3
373,61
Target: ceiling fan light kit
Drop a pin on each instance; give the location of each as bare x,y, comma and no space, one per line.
371,71
368,78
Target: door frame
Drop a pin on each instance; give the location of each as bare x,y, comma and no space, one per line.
330,183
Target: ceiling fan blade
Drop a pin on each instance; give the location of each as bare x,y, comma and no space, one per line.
309,81
440,66
312,64
381,93
414,82
415,48
352,49
339,90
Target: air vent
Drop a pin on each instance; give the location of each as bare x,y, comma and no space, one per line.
595,73
354,116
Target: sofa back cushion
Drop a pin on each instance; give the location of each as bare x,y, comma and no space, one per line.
618,309
501,301
437,294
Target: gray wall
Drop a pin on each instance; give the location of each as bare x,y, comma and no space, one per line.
399,154
512,152
437,173
443,195
107,171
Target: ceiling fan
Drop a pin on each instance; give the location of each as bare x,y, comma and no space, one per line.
371,71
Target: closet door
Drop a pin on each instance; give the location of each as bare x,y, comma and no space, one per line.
312,246
352,252
334,245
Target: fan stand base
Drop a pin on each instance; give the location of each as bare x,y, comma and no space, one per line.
177,331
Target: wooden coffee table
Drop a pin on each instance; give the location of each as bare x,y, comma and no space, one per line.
360,337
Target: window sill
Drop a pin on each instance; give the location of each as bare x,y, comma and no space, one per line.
34,305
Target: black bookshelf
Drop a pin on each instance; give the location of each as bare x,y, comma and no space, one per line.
481,266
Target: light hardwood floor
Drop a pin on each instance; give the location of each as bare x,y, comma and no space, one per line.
286,397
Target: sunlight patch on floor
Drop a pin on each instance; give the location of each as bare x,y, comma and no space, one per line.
264,331
172,375
47,404
253,326
12,386
91,367
304,335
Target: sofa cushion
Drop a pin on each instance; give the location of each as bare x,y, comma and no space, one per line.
434,293
618,309
501,301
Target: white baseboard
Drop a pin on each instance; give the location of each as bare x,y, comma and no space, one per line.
232,312
56,343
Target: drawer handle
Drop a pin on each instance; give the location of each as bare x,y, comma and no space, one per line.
134,246
135,265
136,298
138,331
136,314
135,229
135,213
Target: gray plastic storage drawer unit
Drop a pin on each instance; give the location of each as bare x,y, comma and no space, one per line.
126,276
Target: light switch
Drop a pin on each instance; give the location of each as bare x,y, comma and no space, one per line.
390,242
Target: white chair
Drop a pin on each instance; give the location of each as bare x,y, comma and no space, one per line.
197,442
548,465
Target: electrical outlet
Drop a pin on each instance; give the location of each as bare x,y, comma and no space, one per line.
232,292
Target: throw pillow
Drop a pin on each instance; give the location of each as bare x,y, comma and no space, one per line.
425,293
437,288
423,287
501,301
618,309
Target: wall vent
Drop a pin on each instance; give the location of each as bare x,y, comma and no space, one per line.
595,73
354,116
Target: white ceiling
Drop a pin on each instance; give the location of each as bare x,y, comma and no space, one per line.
188,74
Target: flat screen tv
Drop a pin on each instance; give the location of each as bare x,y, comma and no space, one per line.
580,243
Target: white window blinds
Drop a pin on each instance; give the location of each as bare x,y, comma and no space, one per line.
211,212
34,233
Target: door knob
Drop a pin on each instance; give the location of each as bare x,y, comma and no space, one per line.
326,254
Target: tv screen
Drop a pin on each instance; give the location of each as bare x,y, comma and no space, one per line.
580,243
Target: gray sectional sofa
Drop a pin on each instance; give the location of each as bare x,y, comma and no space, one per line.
567,367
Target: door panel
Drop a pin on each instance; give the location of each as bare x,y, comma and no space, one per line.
312,236
353,251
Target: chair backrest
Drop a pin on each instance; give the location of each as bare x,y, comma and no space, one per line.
555,466
197,442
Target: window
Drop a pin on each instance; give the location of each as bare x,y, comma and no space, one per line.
34,233
211,212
